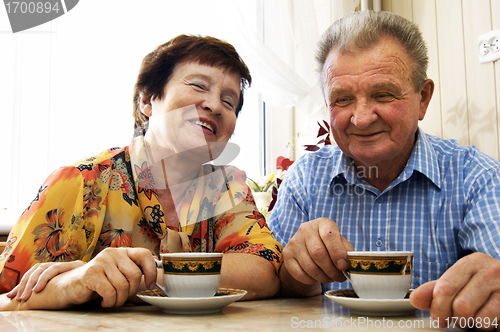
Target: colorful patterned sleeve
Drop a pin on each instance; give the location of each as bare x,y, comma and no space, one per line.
243,228
47,231
61,224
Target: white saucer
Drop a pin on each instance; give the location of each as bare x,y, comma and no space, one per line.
193,305
371,307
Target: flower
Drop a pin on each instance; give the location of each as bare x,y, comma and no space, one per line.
272,182
323,131
262,185
283,164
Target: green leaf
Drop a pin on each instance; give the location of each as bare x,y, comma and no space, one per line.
253,185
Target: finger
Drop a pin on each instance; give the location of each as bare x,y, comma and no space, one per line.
97,277
34,278
347,245
308,252
302,267
129,266
421,298
488,315
336,246
132,276
29,280
12,294
145,260
448,286
53,271
121,288
479,290
22,284
315,260
297,272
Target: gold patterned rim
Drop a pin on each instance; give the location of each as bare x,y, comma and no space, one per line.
396,265
192,266
220,292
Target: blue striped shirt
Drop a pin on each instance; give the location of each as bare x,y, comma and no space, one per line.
444,205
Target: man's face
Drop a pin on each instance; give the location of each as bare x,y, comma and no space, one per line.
374,110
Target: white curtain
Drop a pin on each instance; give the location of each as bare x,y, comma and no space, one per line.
282,56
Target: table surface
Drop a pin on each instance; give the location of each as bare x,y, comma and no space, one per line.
283,314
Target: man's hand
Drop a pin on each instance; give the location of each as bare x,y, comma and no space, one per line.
470,288
317,253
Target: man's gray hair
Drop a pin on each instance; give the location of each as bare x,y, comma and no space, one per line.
362,30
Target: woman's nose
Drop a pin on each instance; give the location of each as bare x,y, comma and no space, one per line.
212,103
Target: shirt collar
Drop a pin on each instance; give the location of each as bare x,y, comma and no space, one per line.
423,159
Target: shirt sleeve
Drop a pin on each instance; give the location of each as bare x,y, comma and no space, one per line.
480,231
58,226
290,210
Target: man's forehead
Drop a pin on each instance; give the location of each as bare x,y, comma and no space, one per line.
382,72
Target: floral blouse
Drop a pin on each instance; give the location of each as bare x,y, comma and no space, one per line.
111,200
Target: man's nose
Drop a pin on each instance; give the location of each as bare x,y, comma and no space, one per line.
364,115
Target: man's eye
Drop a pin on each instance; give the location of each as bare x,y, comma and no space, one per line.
343,101
384,97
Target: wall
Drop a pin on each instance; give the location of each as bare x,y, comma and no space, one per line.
466,101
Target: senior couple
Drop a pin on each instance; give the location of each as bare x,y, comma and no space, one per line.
94,227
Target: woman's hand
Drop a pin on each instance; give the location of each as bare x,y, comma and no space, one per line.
35,279
114,274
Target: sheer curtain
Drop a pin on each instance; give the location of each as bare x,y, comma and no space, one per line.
283,65
67,84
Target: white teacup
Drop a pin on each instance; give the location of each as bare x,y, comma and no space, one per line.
380,274
190,274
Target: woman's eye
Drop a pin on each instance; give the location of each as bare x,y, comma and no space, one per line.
198,86
229,103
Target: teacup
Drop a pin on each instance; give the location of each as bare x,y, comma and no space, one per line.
190,274
380,274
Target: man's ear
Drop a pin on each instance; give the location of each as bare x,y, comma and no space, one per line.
145,105
425,97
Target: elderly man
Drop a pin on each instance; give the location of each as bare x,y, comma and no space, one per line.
388,185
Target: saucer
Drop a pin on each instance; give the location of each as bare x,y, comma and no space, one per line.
371,307
192,305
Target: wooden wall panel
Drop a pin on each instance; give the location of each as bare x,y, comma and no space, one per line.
467,95
424,14
480,79
451,63
495,20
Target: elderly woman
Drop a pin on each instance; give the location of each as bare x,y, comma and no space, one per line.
93,228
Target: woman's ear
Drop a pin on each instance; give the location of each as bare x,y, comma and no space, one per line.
145,105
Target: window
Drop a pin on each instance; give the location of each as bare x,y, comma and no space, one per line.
68,83
68,87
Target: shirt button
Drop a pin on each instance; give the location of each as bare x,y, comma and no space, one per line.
380,199
379,243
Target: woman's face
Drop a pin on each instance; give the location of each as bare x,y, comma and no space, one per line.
198,110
